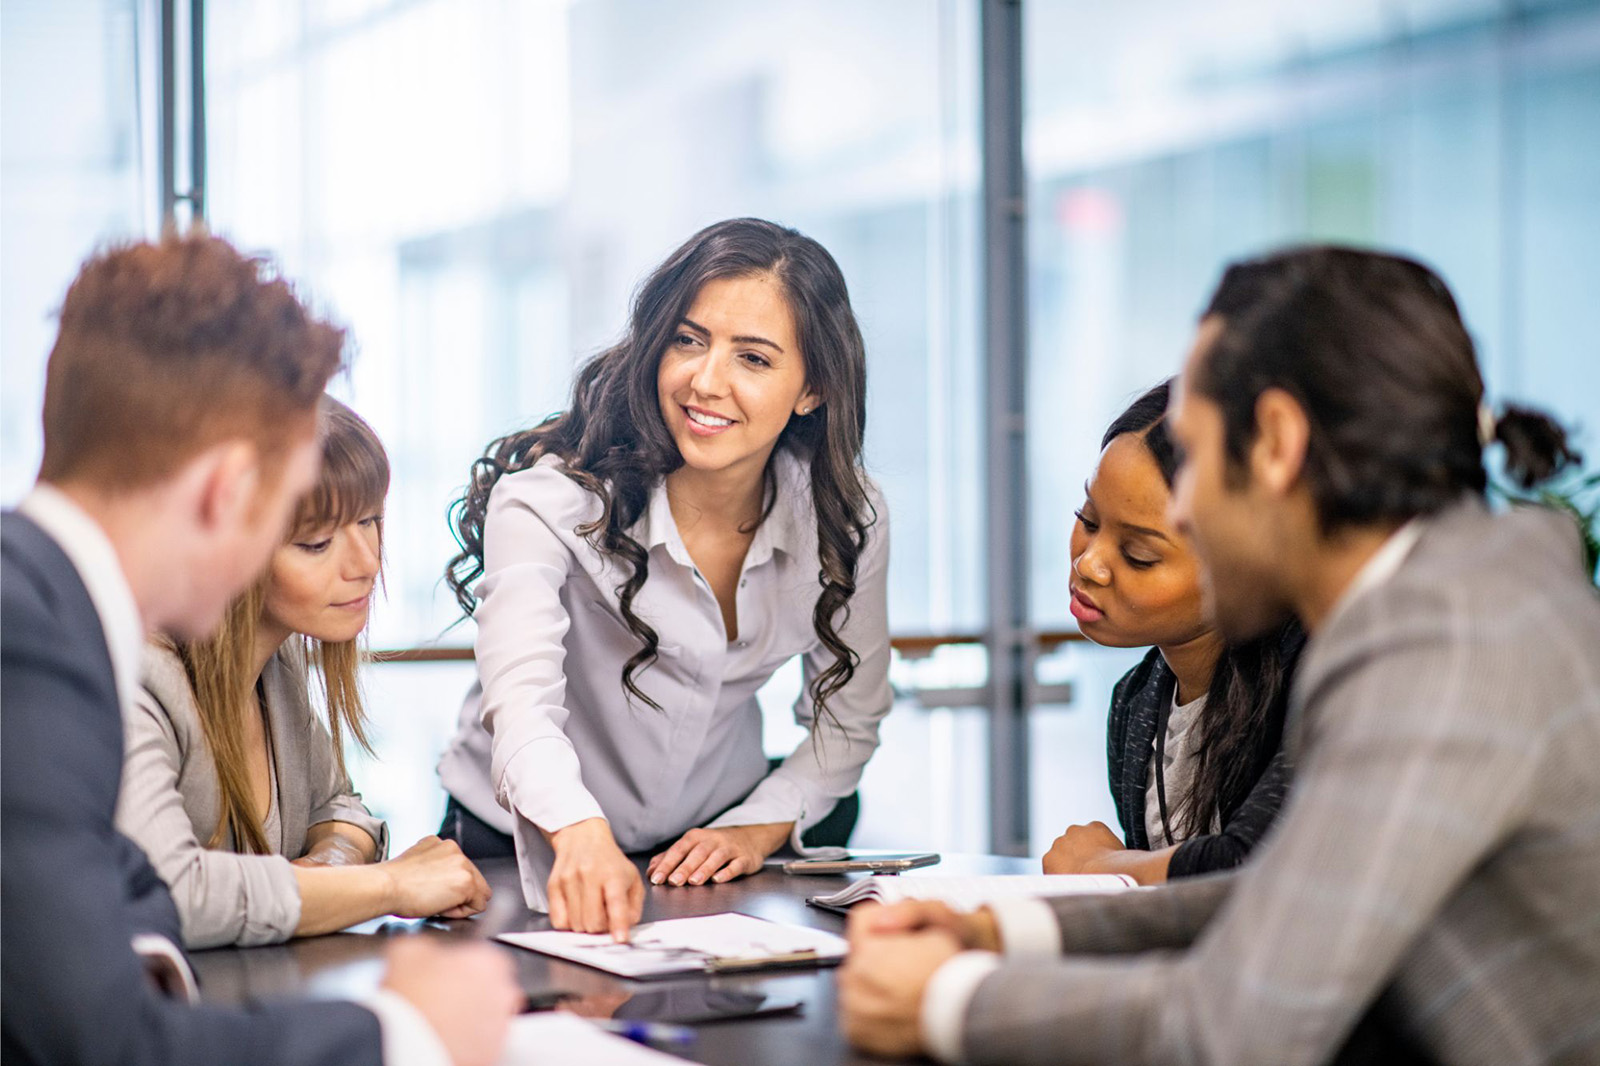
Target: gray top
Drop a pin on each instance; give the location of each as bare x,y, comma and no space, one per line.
1177,769
1439,851
170,803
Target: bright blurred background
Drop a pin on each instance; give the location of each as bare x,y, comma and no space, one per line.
476,186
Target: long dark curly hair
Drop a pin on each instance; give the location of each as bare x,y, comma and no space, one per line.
612,439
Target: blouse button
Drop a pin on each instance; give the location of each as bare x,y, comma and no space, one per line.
743,582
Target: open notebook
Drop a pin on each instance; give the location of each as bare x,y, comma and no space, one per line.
715,943
970,893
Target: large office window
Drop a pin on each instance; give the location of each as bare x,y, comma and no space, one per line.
477,186
73,164
1165,139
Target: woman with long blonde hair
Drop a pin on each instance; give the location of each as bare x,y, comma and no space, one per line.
234,786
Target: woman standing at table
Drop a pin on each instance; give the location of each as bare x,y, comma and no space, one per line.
231,782
1194,735
644,562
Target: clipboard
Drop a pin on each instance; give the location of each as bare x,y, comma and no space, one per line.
714,944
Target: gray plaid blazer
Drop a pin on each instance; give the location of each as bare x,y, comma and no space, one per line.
1437,862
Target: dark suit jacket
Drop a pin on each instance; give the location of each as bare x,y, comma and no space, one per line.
74,891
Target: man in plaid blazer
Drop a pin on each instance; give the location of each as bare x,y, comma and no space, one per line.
1431,891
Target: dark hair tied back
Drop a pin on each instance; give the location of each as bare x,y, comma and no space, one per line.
1373,348
1536,445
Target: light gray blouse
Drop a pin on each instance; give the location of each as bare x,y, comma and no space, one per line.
171,802
549,733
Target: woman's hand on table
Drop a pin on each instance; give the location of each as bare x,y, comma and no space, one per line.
1078,849
593,887
717,855
433,877
1095,849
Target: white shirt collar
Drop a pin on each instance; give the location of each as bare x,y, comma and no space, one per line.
781,531
1381,567
89,550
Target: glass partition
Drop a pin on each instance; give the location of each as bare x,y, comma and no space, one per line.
73,162
1165,139
476,187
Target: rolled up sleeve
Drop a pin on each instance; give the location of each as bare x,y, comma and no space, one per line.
222,897
335,798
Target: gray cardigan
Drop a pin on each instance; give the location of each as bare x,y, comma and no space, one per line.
170,803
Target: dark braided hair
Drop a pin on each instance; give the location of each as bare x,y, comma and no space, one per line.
614,443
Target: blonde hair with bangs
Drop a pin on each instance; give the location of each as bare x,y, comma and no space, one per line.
352,485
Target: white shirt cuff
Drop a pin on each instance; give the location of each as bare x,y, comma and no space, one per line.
542,784
167,966
945,1002
408,1039
1028,928
774,799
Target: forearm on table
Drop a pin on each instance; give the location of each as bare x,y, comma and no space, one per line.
1072,1011
336,897
1169,916
1145,867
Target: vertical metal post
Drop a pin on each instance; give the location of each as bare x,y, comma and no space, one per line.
194,62
1009,640
169,112
197,109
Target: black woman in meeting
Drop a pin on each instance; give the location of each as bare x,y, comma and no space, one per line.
1193,737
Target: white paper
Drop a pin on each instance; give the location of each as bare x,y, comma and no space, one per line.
970,893
681,945
554,1038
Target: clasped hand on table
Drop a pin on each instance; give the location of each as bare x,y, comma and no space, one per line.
894,952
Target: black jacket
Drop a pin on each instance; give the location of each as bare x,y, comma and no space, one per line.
74,891
1138,708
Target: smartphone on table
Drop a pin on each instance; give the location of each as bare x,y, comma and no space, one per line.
888,862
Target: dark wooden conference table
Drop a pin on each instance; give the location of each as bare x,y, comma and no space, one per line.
350,964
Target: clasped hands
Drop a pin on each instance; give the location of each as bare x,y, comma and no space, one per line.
894,952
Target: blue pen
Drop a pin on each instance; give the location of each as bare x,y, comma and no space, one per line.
649,1032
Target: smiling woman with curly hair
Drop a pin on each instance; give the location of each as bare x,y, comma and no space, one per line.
646,560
